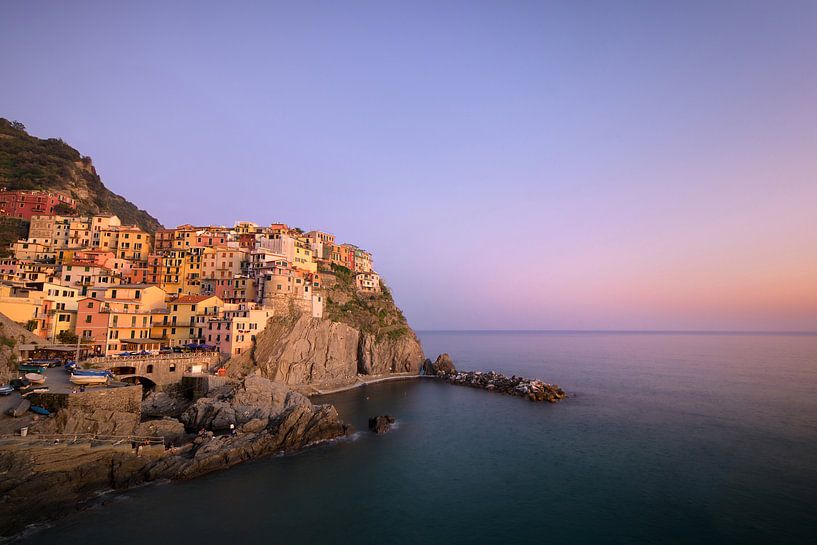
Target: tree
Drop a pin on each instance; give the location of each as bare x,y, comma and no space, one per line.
67,337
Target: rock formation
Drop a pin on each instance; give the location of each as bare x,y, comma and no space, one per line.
381,424
443,365
42,478
296,349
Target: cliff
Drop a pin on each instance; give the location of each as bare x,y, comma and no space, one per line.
28,162
361,333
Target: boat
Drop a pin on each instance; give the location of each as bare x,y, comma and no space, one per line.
35,378
26,368
6,389
91,372
28,390
39,410
89,379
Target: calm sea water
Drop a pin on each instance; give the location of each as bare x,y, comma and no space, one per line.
669,439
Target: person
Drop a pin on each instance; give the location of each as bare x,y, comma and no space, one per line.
232,429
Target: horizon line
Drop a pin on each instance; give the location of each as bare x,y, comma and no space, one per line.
631,331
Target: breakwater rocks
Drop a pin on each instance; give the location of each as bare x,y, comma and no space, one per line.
532,389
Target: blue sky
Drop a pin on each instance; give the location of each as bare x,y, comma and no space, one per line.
510,164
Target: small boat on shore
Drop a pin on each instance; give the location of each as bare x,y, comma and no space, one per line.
26,368
35,378
92,373
6,389
28,390
89,379
39,410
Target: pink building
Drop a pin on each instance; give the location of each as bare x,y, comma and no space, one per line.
92,325
24,204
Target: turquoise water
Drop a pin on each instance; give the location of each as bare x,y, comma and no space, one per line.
668,439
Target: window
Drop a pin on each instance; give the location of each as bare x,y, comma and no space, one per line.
88,319
149,368
172,368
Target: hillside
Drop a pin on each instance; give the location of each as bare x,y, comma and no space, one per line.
28,162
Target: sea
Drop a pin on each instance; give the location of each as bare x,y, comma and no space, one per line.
676,438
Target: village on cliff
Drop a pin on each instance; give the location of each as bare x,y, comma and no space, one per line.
110,289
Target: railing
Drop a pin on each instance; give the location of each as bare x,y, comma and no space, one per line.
174,357
82,437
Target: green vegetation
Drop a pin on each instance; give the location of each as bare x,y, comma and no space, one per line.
370,313
28,162
11,230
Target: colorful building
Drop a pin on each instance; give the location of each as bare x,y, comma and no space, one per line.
24,204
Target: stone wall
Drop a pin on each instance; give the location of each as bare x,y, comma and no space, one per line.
124,399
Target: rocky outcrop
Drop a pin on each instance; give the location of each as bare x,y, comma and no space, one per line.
297,349
160,404
443,365
381,424
43,479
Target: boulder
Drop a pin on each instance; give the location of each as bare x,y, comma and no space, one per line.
255,425
381,424
444,365
209,414
160,404
20,408
171,429
258,398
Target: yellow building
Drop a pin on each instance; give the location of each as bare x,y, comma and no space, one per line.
32,251
178,272
186,319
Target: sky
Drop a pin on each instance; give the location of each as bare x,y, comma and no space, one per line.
511,165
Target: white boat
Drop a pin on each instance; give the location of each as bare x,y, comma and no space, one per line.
89,379
35,378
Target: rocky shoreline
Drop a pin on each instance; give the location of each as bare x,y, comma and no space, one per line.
531,389
71,456
46,476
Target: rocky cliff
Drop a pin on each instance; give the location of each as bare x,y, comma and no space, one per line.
360,333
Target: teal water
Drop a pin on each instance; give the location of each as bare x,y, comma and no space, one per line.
669,438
